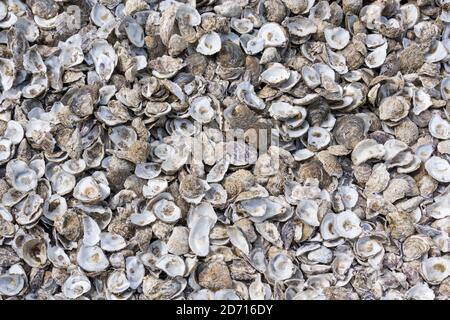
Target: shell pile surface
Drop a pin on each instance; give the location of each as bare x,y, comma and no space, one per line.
251,149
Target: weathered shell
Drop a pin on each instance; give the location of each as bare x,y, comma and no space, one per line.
269,232
238,239
7,73
154,187
178,241
307,211
347,224
445,88
117,282
280,267
58,257
242,26
217,173
420,291
327,230
111,242
415,247
318,138
76,285
199,236
367,247
172,265
377,57
393,147
166,211
436,53
92,258
273,35
187,14
209,44
337,38
435,270
21,177
91,231
246,94
438,168
147,170
104,57
394,108
193,189
13,281
349,130
89,190
275,74
35,253
201,109
367,149
378,180
421,101
135,272
438,127
100,15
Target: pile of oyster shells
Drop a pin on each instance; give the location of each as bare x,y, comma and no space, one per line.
101,102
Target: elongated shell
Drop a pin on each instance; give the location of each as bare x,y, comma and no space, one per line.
238,239
104,57
199,237
135,271
7,73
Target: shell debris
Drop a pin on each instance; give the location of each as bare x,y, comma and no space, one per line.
217,149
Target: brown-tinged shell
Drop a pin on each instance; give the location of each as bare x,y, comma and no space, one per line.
349,130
